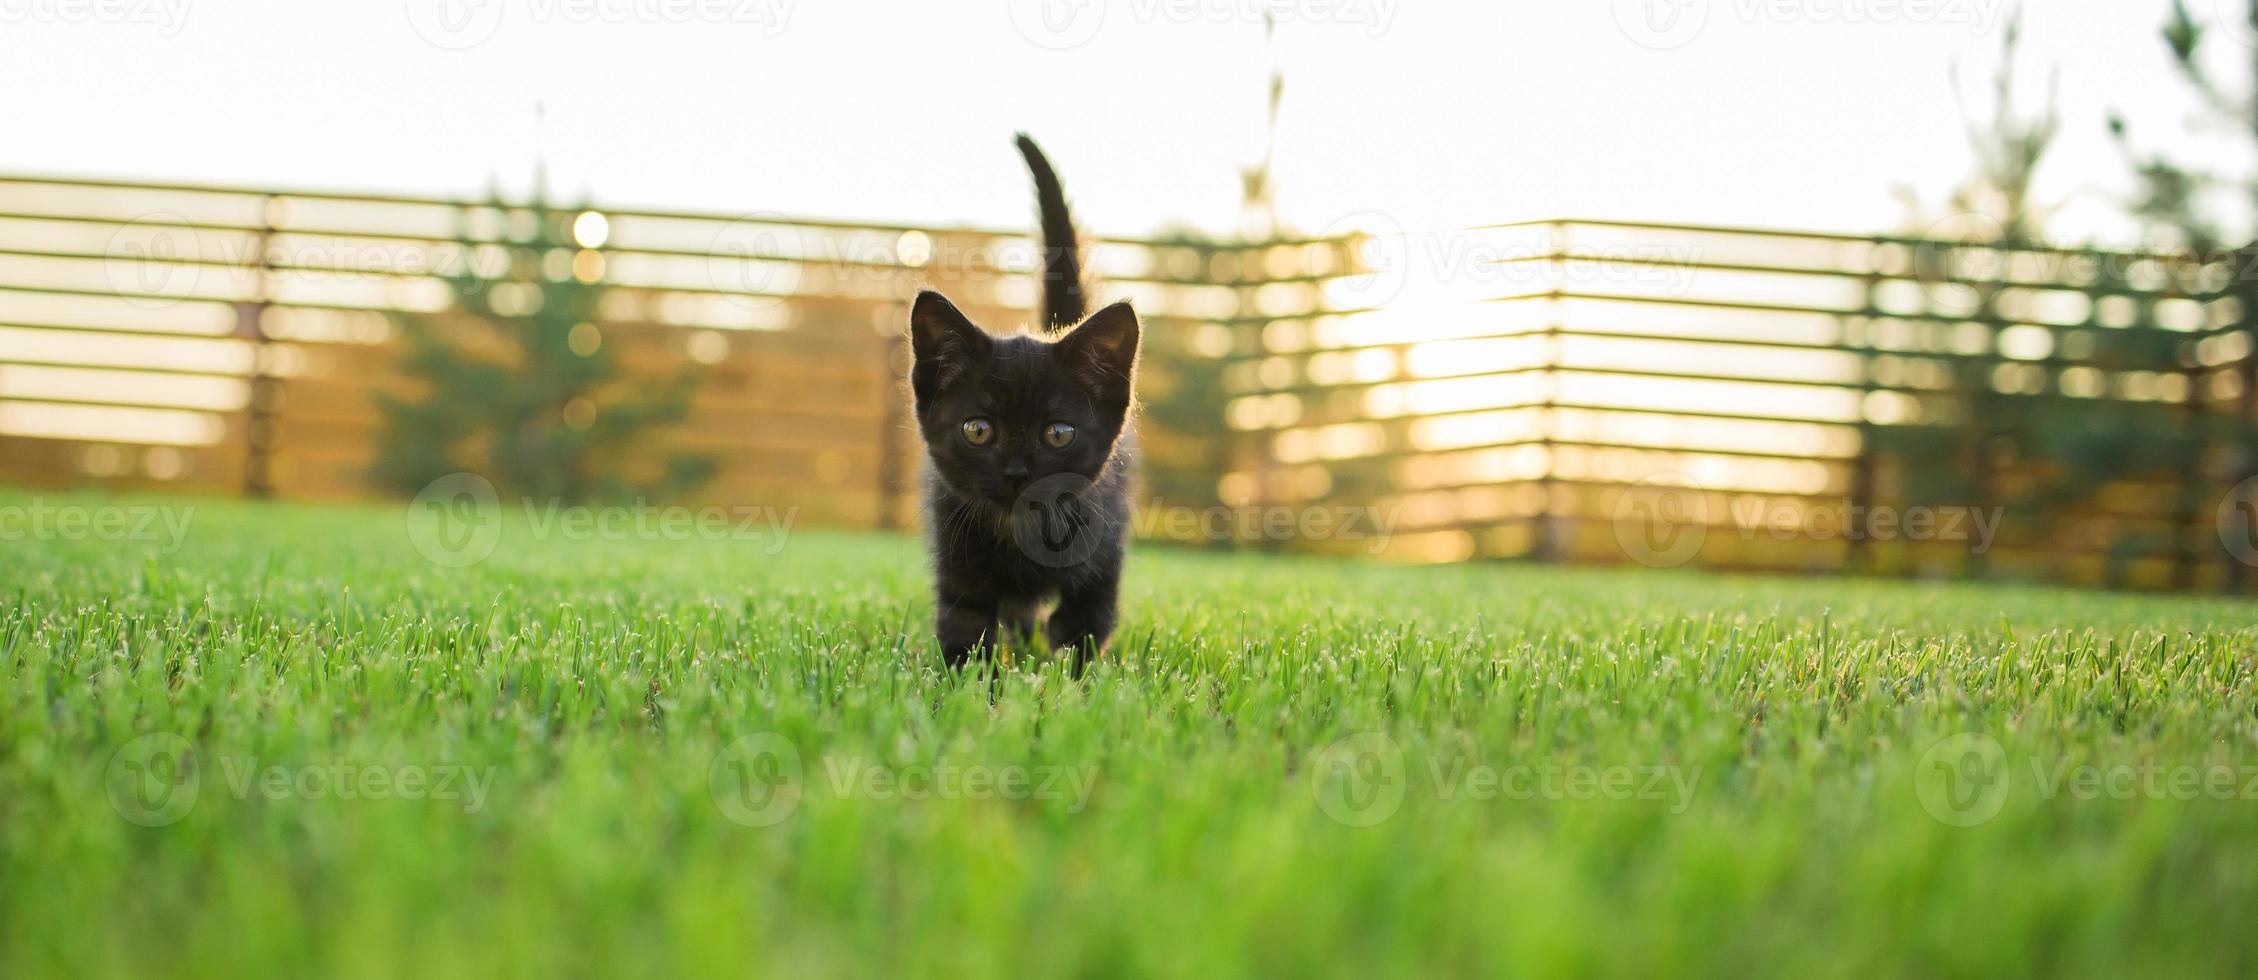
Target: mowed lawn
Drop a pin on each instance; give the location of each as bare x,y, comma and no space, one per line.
293,746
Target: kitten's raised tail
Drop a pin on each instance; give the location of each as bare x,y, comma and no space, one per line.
1064,300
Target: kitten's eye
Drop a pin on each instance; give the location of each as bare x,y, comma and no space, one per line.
1057,435
978,431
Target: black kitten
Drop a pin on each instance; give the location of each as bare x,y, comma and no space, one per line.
1027,494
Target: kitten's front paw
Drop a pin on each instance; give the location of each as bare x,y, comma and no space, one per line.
1081,630
967,631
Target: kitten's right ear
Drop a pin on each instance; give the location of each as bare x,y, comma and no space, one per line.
944,343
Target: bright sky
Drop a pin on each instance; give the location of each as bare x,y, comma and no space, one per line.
1434,113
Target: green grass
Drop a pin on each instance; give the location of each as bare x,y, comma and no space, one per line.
600,685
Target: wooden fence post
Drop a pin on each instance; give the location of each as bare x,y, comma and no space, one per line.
893,483
1859,554
2242,442
1544,543
259,408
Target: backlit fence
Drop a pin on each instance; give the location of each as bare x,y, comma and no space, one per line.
233,340
1597,391
1578,391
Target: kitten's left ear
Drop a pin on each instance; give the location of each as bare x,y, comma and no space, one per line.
1102,355
943,343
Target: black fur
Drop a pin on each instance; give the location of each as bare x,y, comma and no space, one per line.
1016,523
1064,301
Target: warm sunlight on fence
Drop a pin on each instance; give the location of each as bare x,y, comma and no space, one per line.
1598,391
231,339
1583,391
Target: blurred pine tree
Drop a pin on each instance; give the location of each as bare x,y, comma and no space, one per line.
522,387
2192,202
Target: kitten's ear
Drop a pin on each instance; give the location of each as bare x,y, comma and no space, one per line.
944,343
1101,354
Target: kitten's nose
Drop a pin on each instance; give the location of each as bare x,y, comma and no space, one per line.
1015,469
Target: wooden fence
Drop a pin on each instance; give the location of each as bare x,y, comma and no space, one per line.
1584,391
1607,392
231,340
